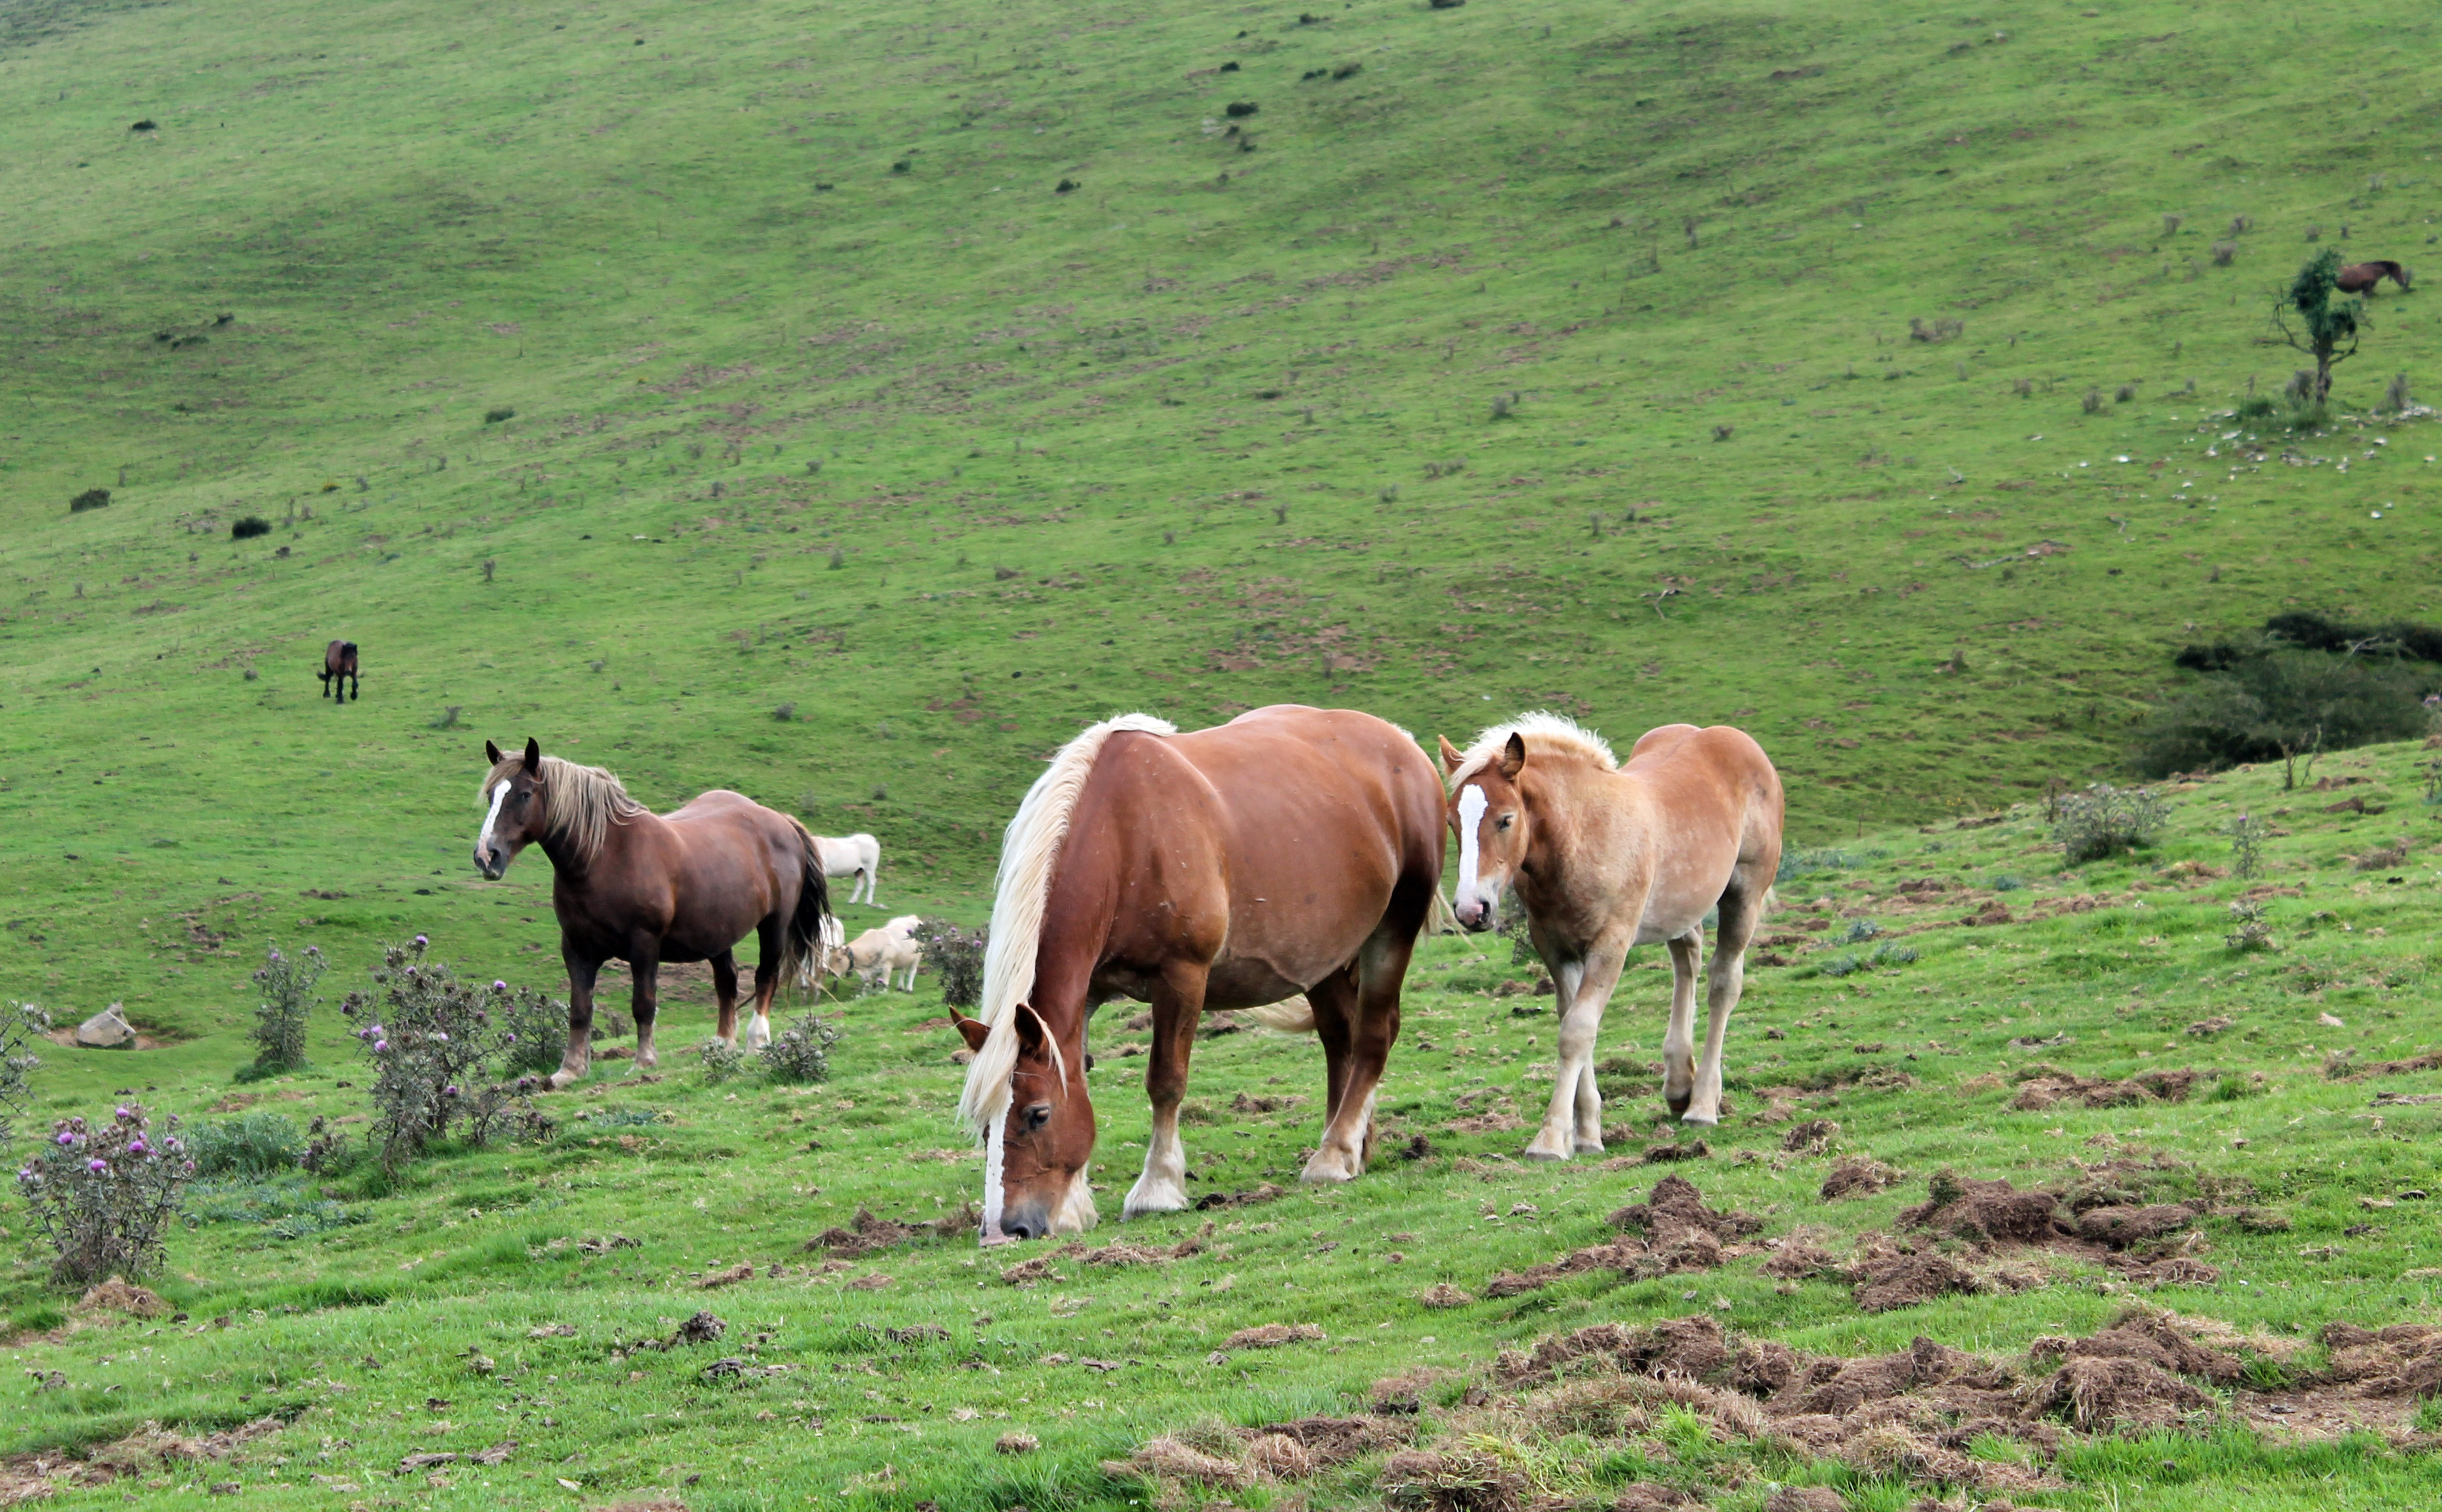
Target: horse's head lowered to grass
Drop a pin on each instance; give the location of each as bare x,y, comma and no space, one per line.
1037,1149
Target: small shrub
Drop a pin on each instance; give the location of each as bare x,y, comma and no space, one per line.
2092,401
2224,253
2123,393
21,1025
1723,432
2171,223
90,499
904,165
1860,931
2314,233
534,1030
429,1037
251,1145
721,1061
2241,225
328,1149
2255,407
2395,395
1795,863
246,527
284,1200
2249,930
785,713
493,417
2286,706
1890,953
103,1195
2023,388
2007,883
288,1001
839,558
2104,821
801,1054
2246,847
956,957
1066,186
1240,109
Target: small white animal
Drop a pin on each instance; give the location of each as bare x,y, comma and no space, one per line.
904,925
879,956
858,856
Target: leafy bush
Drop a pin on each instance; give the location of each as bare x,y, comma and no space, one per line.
2105,821
957,957
2283,705
2009,883
430,1036
1799,863
2248,931
289,1207
288,1001
103,1195
534,1027
249,527
802,1052
21,1025
1860,931
90,499
721,1061
252,1144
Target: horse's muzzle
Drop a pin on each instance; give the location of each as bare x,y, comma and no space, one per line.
493,864
1475,917
1024,1220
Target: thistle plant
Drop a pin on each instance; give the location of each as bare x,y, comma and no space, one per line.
104,1195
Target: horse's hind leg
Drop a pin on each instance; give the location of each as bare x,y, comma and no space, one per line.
767,980
1679,1040
724,990
1365,998
644,964
1742,908
576,1061
1177,1003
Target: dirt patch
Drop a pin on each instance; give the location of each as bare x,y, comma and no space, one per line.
1681,1234
1272,1336
1814,1137
2150,1338
2095,1391
1443,1294
1984,1212
1676,1205
1119,1252
117,1296
1263,1191
1905,1278
1231,1457
2123,1228
1857,1176
865,1234
2043,1087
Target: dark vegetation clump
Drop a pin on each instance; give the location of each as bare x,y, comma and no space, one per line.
2310,320
494,416
246,527
956,958
534,1030
252,1145
430,1039
801,1054
90,499
103,1195
1240,109
1066,186
280,1018
2106,821
2267,704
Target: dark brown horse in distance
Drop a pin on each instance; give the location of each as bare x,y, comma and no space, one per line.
2360,277
1290,850
339,671
632,886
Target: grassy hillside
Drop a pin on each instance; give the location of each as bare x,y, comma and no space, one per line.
734,396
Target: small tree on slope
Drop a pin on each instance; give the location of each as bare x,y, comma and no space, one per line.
2312,321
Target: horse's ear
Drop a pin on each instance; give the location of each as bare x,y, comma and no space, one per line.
1513,758
1032,1033
974,1031
1451,756
533,757
491,752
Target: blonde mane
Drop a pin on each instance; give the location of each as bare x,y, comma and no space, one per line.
1552,733
1020,896
584,802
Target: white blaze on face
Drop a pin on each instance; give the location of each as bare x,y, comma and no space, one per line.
500,796
1470,821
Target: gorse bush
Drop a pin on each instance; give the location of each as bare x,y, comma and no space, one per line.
252,1144
21,1025
430,1038
2283,705
288,1001
533,1029
2105,821
102,1196
956,958
801,1054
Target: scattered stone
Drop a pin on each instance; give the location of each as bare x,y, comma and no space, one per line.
107,1031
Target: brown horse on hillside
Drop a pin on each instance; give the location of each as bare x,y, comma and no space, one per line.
339,668
1606,858
632,886
1290,850
2362,278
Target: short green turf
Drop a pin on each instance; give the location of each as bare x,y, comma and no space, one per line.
1556,357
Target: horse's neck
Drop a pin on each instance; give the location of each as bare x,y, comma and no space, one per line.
1577,810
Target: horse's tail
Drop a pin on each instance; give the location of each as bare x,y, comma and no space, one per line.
1441,919
1293,1016
801,943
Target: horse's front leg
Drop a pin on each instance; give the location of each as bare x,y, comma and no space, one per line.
645,966
1679,1040
724,991
576,1061
1177,1003
1573,1118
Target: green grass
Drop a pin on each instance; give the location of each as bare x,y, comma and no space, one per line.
1175,443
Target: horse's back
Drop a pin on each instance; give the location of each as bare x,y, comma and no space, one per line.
1685,767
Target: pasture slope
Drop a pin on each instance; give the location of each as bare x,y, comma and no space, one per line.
631,376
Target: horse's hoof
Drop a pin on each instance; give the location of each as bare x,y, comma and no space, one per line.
1700,1120
1154,1196
1678,1105
1323,1171
1540,1151
561,1079
1590,1147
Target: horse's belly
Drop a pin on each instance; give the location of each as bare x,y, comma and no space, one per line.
1246,983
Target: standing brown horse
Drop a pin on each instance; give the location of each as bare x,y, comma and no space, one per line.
2364,278
340,666
1606,858
631,885
1292,849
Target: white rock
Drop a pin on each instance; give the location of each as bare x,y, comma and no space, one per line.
106,1030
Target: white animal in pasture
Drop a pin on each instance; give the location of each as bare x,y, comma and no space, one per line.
879,956
858,856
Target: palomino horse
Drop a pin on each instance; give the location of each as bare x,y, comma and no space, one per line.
857,855
632,886
1292,849
1605,858
340,666
2364,278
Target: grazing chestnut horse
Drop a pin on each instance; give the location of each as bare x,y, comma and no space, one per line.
340,666
632,886
1605,858
1290,850
2362,277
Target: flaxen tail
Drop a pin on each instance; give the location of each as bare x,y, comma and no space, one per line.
1290,1016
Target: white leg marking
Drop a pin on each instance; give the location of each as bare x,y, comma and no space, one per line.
1162,1188
759,1031
1581,1022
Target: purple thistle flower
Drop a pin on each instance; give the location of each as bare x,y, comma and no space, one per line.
421,942
442,1035
66,1138
380,1045
123,1115
509,1038
176,1148
500,986
137,1146
96,1165
451,1090
276,955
